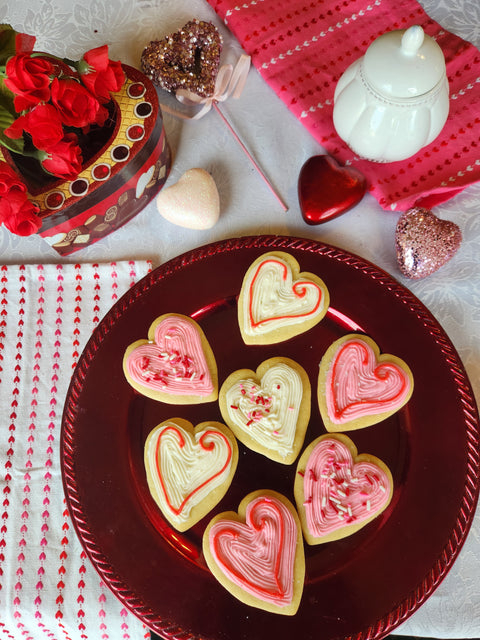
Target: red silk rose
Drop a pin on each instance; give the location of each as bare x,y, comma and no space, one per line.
42,123
101,75
45,104
17,212
10,181
24,43
29,79
64,159
76,106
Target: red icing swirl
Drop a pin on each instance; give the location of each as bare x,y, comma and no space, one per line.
259,556
358,386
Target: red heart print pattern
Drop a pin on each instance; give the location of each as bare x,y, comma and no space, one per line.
258,555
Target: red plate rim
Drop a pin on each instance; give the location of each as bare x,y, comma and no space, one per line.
466,508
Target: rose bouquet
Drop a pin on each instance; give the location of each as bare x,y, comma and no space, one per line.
48,106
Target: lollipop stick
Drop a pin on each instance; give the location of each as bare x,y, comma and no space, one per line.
249,156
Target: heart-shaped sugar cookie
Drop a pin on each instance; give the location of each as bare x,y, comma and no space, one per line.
192,202
277,302
338,492
424,243
258,554
268,410
189,469
175,365
326,189
358,386
187,59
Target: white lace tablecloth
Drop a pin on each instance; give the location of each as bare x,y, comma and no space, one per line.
247,207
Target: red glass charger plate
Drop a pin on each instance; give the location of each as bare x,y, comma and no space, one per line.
362,586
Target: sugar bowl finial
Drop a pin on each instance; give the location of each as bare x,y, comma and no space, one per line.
395,99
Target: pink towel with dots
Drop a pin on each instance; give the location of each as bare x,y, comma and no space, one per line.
302,47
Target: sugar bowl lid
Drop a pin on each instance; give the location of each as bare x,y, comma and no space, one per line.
404,64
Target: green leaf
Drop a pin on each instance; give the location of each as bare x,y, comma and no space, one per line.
6,119
7,42
7,98
16,146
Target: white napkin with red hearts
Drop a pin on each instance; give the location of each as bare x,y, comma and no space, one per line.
48,587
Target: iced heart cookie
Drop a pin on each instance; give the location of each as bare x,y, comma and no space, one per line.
175,365
257,554
337,491
277,302
189,469
268,410
358,386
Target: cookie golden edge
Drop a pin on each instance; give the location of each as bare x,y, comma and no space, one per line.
303,414
167,398
202,509
364,421
284,333
298,490
299,563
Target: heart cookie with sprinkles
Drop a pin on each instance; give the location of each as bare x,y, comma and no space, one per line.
189,469
358,386
188,59
257,554
175,365
277,302
268,410
337,491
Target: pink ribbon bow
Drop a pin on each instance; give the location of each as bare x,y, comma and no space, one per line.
230,82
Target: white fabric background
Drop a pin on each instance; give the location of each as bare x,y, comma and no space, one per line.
281,145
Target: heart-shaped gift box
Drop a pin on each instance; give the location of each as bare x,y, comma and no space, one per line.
126,163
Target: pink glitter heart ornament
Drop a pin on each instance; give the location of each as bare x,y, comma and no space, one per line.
424,243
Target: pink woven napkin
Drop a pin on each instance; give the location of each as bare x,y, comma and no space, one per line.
302,47
48,587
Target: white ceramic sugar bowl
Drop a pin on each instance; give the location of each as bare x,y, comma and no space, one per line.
394,100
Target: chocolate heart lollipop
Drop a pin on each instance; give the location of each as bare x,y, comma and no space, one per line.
424,243
188,59
326,189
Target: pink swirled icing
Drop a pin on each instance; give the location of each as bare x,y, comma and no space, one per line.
357,385
340,492
175,362
258,555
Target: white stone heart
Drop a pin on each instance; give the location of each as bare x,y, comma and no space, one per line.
192,202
